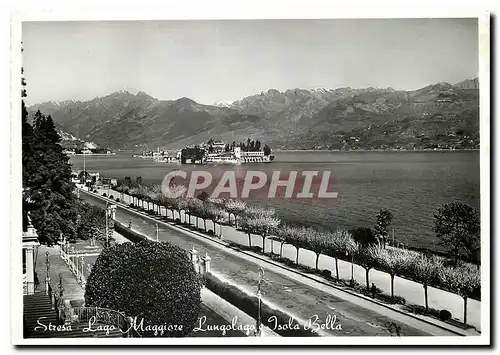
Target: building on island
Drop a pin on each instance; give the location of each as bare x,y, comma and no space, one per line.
222,158
252,157
217,152
218,146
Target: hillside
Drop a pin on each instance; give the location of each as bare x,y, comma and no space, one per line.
440,115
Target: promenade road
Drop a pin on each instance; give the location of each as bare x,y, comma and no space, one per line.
412,291
284,289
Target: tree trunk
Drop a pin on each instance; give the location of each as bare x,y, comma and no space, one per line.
352,271
263,244
392,288
337,268
249,240
235,222
465,310
317,260
297,258
426,298
205,224
281,250
367,279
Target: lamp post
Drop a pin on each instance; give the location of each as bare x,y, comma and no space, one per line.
107,212
110,211
82,265
259,294
47,277
84,170
352,266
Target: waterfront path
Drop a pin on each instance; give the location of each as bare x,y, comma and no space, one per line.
295,294
58,270
412,291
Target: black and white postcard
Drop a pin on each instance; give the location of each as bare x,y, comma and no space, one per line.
276,181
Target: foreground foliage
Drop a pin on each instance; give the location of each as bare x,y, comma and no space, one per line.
148,280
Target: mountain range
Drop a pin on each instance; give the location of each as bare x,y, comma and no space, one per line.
436,116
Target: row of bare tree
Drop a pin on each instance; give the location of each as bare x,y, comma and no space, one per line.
465,279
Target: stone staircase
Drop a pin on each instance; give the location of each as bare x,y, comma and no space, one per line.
38,310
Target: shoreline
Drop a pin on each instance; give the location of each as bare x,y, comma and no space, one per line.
374,150
134,154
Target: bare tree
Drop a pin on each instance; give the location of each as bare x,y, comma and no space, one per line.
281,236
217,215
365,257
464,280
297,238
318,242
235,208
340,244
393,261
426,270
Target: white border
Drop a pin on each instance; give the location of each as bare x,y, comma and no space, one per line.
243,10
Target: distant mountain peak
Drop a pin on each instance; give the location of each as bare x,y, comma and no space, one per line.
145,95
223,103
185,101
468,84
119,93
273,92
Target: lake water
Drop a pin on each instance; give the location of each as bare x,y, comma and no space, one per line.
412,185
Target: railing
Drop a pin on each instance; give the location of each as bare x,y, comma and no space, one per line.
106,316
28,288
80,277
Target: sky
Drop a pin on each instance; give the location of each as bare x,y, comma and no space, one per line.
211,61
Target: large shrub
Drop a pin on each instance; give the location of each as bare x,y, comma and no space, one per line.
148,280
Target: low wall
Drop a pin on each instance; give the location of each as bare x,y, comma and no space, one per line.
128,233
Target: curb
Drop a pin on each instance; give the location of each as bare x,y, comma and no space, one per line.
225,244
235,310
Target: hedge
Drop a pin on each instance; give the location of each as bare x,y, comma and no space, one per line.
128,233
155,282
249,304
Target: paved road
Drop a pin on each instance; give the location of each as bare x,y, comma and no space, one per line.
413,292
285,289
